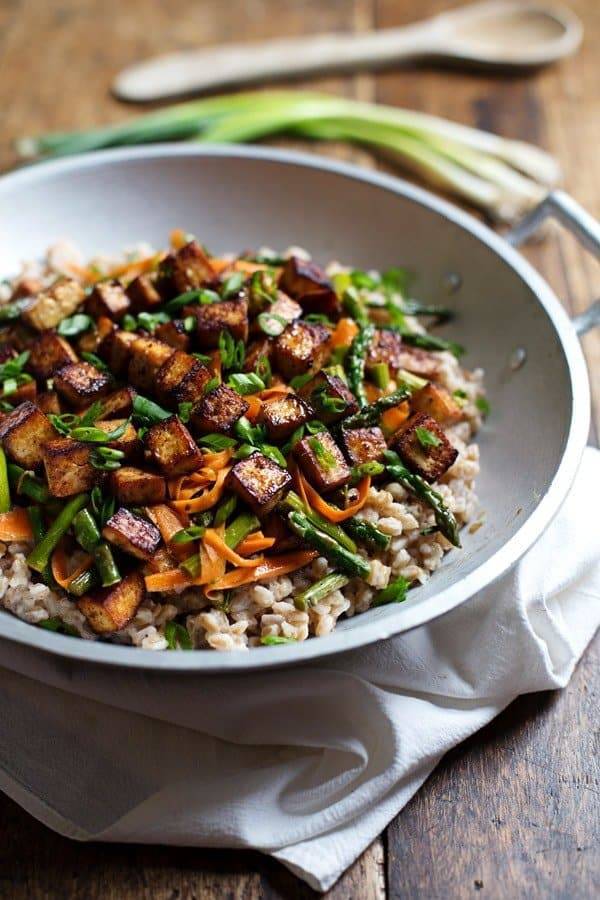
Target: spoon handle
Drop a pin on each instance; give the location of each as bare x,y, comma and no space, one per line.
237,64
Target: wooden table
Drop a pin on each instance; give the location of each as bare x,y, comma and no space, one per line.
514,811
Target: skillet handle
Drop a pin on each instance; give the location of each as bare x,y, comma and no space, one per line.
558,205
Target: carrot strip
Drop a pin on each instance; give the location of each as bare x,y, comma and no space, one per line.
254,407
212,539
392,419
135,267
205,500
345,332
167,581
216,459
177,238
329,512
268,568
59,565
254,543
276,390
372,393
15,525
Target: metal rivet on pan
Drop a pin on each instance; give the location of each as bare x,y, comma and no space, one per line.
452,282
517,358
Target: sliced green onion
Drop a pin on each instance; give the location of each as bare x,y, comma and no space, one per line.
380,373
245,383
74,325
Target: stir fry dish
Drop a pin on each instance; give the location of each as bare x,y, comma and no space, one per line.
224,452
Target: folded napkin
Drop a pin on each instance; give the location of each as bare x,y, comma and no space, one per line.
310,764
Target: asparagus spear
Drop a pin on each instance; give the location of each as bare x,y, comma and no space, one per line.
319,590
4,486
40,555
349,563
293,502
83,584
368,534
355,307
106,565
355,362
26,483
370,414
445,520
241,527
85,530
426,341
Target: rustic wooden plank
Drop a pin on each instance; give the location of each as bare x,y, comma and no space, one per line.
512,812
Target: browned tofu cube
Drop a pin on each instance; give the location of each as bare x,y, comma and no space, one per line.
282,415
7,351
300,276
330,397
147,356
115,350
134,487
172,447
362,445
174,334
389,348
187,270
81,383
143,294
438,403
132,534
259,482
48,402
128,443
108,299
256,354
218,411
419,362
324,302
181,378
54,303
285,308
302,347
424,447
111,609
24,433
48,353
213,318
68,467
26,391
322,462
118,405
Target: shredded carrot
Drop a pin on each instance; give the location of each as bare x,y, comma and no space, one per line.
345,332
325,509
168,523
207,499
216,459
268,568
254,407
254,543
15,525
392,419
372,393
59,566
134,268
212,539
212,564
178,238
167,581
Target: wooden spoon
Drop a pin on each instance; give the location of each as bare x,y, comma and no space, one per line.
496,33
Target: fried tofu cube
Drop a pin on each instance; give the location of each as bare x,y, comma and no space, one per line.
108,299
324,302
128,443
388,347
117,405
282,415
330,397
132,534
419,362
285,308
68,467
143,294
174,334
259,482
257,353
147,356
134,487
218,411
181,378
24,433
424,447
362,445
213,318
302,347
7,351
300,276
49,402
172,447
438,403
54,304
48,353
115,350
322,462
81,383
111,609
187,270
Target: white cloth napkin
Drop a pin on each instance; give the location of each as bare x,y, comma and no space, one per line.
310,764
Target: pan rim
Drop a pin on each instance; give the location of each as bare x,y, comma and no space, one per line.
427,610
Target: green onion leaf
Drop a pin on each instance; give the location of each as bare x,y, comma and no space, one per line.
246,383
187,535
184,410
232,285
204,297
216,441
427,438
483,405
395,592
371,468
298,381
177,636
272,324
324,456
74,325
225,509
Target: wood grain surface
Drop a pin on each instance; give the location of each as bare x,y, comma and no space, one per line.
514,811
